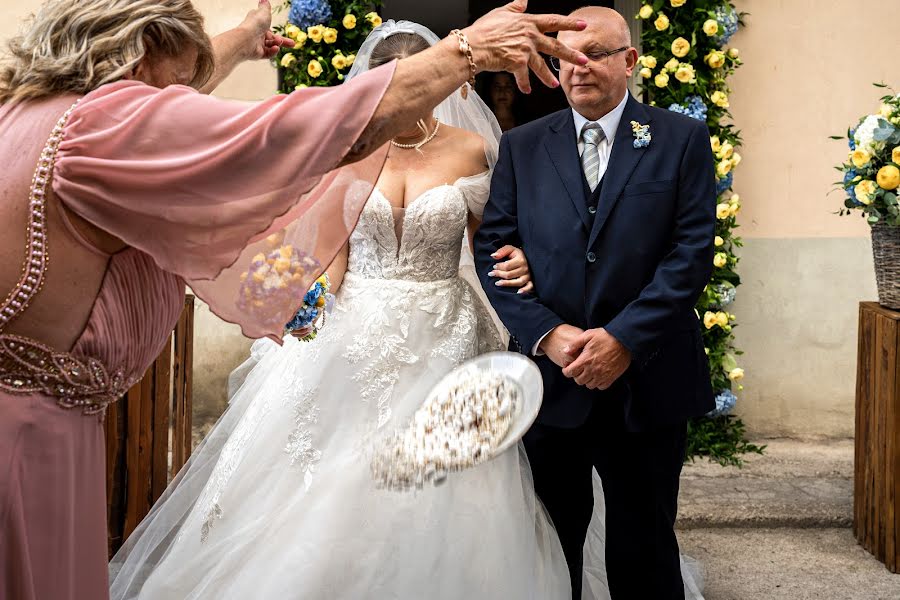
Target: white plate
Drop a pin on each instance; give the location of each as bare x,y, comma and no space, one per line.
521,371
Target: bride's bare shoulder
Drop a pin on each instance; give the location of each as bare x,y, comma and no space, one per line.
465,143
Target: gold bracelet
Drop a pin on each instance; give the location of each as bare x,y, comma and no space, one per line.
466,49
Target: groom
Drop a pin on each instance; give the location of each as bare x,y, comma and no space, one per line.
614,205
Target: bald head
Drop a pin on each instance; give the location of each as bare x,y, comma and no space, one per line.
607,20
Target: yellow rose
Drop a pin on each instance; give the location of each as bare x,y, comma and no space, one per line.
646,11
886,110
314,68
865,191
719,241
720,99
711,27
349,21
292,31
715,143
350,59
680,47
723,210
725,151
339,61
888,177
646,73
721,319
374,19
677,3
895,155
709,320
315,33
734,53
715,59
736,159
720,259
661,80
685,73
860,158
648,61
735,199
330,35
671,65
287,60
320,302
723,168
662,22
736,374
301,39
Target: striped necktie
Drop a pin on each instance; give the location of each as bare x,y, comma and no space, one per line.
592,135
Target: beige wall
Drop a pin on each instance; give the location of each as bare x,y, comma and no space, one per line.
807,75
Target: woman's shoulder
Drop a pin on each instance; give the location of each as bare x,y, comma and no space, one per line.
464,141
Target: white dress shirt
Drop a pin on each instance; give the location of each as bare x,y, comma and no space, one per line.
609,123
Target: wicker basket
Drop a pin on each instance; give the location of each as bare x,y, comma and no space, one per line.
886,249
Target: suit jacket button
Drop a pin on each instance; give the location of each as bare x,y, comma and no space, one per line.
592,210
591,257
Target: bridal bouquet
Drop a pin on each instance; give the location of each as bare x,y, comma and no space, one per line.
312,312
872,171
273,278
327,35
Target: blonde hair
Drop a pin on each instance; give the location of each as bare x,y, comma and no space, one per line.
76,46
397,46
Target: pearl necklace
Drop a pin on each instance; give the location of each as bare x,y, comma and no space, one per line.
437,125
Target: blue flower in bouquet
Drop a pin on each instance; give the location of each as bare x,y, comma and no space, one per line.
725,294
727,18
724,183
695,108
307,13
314,305
850,141
725,402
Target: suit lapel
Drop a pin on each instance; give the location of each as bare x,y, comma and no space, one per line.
622,162
563,149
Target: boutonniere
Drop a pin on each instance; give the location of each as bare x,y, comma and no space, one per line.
641,134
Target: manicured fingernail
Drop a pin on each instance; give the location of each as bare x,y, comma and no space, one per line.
494,255
496,267
555,84
582,24
498,282
492,274
521,291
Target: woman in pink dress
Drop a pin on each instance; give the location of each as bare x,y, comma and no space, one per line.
122,183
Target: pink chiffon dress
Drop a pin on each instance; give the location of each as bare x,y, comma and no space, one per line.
243,202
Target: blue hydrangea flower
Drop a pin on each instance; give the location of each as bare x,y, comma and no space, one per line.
727,18
850,141
849,187
725,401
725,294
724,183
694,108
308,13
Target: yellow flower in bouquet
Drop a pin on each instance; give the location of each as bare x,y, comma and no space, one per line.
330,35
718,241
661,80
720,99
711,27
648,61
735,203
709,320
350,59
723,168
860,158
723,210
287,60
671,65
646,11
888,177
715,59
736,374
339,61
722,319
865,191
685,73
315,33
886,111
895,155
646,73
314,68
715,143
725,151
720,259
292,31
680,47
662,22
677,3
734,53
736,159
374,19
349,21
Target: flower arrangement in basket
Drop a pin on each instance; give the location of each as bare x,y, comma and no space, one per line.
871,178
327,36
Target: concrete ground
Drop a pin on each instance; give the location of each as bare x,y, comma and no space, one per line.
780,527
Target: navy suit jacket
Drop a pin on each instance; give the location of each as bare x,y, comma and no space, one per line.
635,264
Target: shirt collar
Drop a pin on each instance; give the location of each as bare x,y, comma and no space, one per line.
609,122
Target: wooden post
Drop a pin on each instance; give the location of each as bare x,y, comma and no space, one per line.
876,498
148,433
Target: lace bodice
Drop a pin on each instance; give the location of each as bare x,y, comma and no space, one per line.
421,242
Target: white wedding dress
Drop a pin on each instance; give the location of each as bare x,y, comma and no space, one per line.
279,502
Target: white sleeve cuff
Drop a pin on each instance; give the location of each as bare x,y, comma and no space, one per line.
536,351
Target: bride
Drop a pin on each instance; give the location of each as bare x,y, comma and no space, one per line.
279,501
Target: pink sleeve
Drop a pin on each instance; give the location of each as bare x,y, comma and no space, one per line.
205,185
